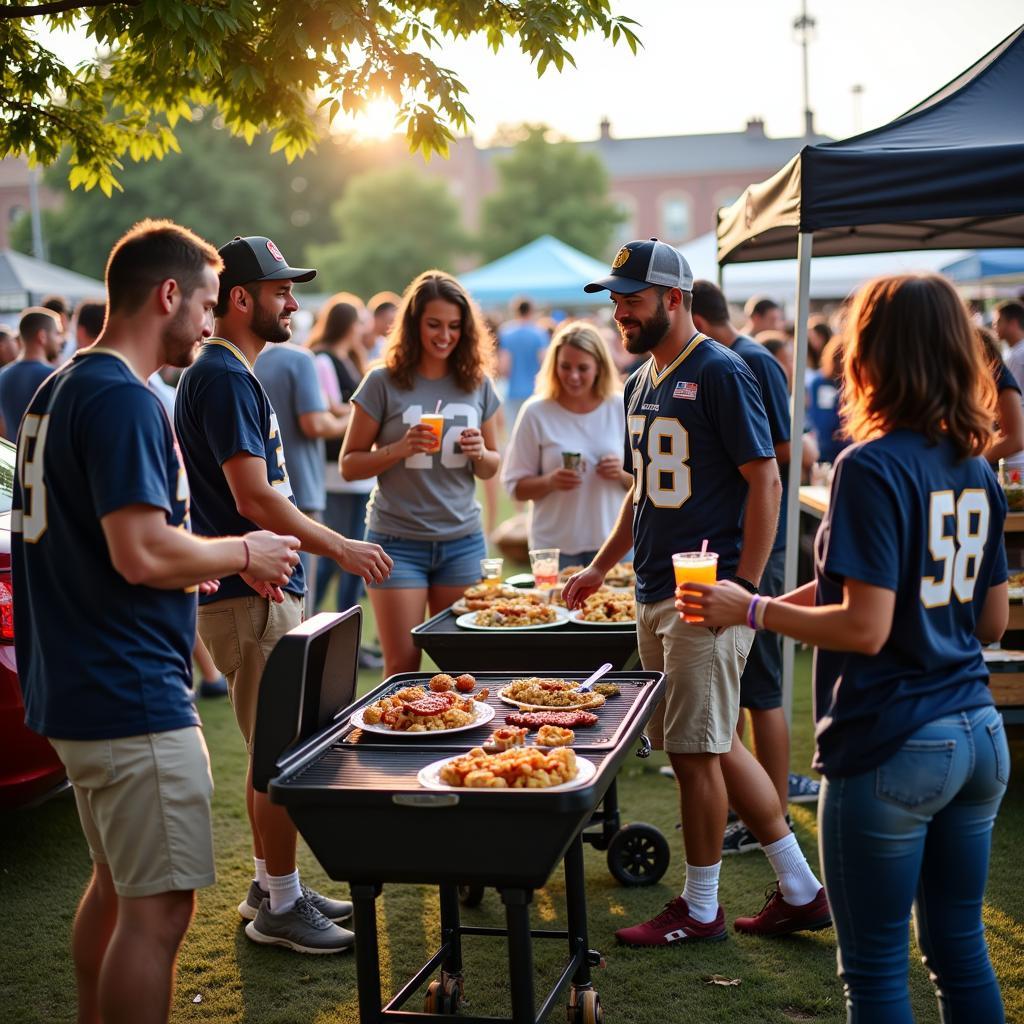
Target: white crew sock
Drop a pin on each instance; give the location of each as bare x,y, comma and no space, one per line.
284,892
261,873
701,891
796,880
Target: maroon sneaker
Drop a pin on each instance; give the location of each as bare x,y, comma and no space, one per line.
777,917
673,924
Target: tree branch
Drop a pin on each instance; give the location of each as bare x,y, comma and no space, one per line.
12,11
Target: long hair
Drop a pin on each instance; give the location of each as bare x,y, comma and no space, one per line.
586,338
334,323
912,360
473,356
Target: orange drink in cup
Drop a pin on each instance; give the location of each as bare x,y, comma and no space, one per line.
436,423
695,567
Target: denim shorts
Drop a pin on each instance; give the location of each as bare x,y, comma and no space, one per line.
430,563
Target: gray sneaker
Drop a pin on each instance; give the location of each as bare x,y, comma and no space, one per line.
303,928
334,910
739,839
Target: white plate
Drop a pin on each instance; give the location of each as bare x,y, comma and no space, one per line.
430,778
577,617
1016,593
468,621
483,714
546,707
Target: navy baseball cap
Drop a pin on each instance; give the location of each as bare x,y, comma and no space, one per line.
256,258
640,264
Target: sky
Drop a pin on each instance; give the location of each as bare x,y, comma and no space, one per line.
709,67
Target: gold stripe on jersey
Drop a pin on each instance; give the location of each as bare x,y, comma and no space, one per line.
657,378
224,343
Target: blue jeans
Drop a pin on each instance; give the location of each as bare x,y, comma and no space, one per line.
345,514
916,833
431,563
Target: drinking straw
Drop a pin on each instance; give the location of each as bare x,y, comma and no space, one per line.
437,410
704,546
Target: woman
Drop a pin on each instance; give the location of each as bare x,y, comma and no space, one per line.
337,338
423,508
1009,437
911,581
576,407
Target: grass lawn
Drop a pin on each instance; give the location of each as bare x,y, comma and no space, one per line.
44,865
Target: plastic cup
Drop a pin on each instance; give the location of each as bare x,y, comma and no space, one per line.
436,424
572,460
490,571
544,564
694,567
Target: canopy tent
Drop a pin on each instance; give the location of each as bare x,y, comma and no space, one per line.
25,281
946,173
987,265
546,270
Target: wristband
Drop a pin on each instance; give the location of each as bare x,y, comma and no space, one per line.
752,612
759,613
245,544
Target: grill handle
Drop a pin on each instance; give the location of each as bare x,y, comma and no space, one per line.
425,800
644,750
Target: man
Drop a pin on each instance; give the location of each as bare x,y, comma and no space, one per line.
41,339
762,315
704,472
521,344
231,440
10,346
384,308
288,375
761,682
1009,326
101,507
89,317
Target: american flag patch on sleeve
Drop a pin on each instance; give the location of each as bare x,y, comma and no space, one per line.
685,389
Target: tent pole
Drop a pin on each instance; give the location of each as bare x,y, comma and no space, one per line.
797,403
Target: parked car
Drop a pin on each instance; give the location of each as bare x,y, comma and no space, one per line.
29,767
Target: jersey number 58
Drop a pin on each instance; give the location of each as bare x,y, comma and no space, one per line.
959,554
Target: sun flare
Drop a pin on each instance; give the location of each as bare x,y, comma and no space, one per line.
376,121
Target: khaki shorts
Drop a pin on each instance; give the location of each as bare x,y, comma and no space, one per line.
240,633
144,804
702,674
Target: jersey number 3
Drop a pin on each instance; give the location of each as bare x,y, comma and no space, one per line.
959,555
666,476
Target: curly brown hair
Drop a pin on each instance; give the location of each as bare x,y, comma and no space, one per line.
473,357
912,361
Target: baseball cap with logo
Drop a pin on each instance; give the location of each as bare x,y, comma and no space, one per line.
256,258
640,264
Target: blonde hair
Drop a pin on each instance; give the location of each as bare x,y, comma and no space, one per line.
586,338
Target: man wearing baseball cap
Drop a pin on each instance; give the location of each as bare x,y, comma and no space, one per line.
704,473
231,442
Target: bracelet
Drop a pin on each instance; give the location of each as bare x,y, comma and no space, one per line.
759,613
245,544
745,584
752,612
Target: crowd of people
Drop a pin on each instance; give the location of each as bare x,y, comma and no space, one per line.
281,473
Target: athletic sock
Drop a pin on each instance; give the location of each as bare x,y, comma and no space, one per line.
284,892
261,873
701,891
796,880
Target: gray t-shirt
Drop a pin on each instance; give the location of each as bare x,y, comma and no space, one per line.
430,495
288,375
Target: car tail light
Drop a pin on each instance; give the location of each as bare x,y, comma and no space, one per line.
6,609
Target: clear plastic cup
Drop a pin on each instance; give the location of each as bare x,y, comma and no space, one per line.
436,424
544,565
490,571
695,567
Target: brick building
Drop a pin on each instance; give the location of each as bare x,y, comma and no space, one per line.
14,195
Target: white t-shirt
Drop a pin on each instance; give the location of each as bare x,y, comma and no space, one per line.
581,519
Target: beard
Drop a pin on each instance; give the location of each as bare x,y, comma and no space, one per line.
268,326
179,341
650,334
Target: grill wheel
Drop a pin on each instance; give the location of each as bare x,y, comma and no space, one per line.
584,1007
638,854
471,895
444,996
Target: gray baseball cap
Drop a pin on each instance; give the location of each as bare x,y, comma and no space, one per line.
643,263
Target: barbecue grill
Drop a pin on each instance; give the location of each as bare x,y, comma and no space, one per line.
331,775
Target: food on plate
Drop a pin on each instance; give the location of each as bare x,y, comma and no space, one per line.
510,614
505,738
413,709
554,736
441,682
565,719
610,607
607,689
1015,579
482,695
621,575
570,570
479,597
516,768
553,693
465,683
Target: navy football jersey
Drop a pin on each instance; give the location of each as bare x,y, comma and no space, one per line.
220,411
98,657
906,515
688,429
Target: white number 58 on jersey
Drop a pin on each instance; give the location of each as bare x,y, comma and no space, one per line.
960,554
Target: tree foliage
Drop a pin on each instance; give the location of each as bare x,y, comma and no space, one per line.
217,185
265,65
393,225
553,188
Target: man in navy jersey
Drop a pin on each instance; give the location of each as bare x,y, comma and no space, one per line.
761,682
231,441
704,470
106,573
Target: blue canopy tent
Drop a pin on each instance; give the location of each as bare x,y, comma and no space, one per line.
986,265
947,174
547,271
